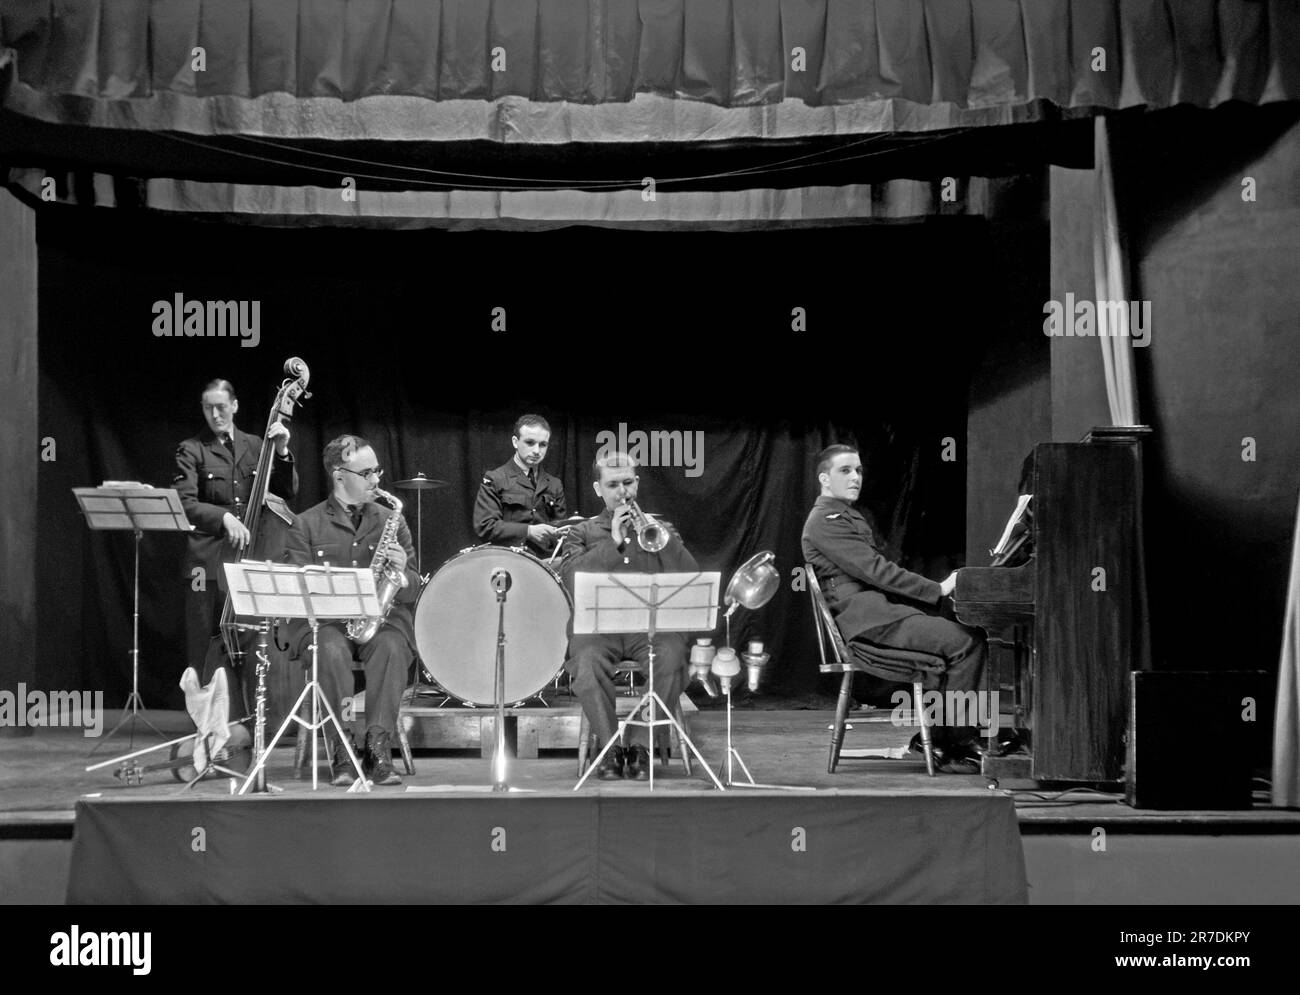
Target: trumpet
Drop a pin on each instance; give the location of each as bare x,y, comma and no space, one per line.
650,535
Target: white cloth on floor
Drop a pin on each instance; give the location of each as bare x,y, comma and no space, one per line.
209,707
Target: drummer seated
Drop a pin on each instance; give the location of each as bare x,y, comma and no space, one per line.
344,531
608,544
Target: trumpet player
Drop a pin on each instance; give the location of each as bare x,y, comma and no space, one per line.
345,530
612,543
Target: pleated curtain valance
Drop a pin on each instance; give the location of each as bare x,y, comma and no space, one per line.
629,70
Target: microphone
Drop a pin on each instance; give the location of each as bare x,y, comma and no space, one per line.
500,581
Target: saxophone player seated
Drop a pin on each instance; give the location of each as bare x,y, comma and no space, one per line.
349,529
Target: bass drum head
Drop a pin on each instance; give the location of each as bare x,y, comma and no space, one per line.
456,625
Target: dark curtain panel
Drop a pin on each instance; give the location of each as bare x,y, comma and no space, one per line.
662,331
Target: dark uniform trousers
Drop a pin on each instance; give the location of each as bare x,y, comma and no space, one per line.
592,658
385,659
877,602
326,534
962,651
211,480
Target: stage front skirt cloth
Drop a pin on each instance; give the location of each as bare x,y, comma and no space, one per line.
828,847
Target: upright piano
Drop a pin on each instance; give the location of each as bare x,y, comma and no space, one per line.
1075,611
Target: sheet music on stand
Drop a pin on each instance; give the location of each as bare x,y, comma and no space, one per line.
317,593
620,603
1016,532
129,504
283,590
623,603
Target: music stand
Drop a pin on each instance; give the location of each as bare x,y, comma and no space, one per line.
119,505
613,604
278,590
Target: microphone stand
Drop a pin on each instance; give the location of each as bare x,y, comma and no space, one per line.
500,584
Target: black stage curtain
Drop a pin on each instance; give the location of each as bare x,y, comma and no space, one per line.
654,331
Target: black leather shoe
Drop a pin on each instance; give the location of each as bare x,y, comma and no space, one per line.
342,773
638,763
965,740
378,765
1011,743
611,767
962,758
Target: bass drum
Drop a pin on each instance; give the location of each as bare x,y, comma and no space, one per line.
456,625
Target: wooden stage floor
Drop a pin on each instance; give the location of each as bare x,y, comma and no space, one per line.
42,776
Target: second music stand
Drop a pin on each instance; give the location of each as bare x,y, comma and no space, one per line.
277,590
141,508
632,602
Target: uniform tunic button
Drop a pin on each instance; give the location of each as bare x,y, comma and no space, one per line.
354,563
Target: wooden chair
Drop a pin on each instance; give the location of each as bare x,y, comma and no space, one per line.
843,662
623,705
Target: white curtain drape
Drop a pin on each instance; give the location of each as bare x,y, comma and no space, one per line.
1110,274
1286,725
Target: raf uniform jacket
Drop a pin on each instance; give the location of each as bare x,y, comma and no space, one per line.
507,504
324,535
590,548
212,482
864,590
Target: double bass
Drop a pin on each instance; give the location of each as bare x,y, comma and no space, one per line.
267,536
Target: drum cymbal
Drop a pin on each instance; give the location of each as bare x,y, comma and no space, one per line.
418,483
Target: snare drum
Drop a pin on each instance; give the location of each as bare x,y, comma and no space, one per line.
456,625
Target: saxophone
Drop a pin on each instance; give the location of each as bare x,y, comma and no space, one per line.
388,581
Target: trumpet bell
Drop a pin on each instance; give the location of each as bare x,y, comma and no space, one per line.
652,538
754,583
650,535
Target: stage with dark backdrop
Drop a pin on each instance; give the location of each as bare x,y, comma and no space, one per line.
916,332
605,330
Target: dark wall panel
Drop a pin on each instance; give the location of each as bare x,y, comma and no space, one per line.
19,441
1223,276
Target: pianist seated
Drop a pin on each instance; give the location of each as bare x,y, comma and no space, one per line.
876,601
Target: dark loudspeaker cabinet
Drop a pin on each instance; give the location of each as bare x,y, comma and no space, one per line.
1190,745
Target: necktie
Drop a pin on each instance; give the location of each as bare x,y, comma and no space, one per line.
356,511
229,443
